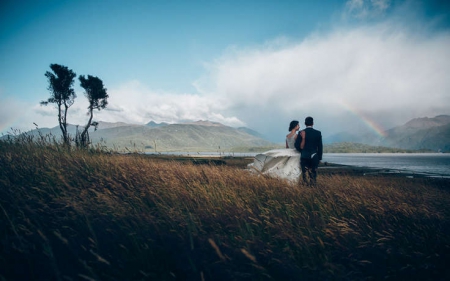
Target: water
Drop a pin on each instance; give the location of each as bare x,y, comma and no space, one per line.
432,164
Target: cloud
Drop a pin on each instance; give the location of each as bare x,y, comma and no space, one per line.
132,102
388,73
365,9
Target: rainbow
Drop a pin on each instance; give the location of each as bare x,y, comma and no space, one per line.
372,125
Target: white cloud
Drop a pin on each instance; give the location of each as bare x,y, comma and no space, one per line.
134,103
376,69
365,9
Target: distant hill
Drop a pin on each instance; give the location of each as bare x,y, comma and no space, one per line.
251,132
417,134
155,125
200,136
351,147
205,123
107,125
421,133
195,136
426,122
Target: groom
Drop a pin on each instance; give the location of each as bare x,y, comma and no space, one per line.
311,150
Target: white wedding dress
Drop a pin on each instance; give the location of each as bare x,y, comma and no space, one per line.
279,163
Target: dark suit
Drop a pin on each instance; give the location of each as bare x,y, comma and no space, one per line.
311,154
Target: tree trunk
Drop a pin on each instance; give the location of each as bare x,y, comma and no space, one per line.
85,133
62,124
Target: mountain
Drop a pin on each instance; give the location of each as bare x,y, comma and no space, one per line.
152,124
421,133
107,125
251,132
205,123
416,134
426,122
196,136
190,137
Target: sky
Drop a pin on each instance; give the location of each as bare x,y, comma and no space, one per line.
356,65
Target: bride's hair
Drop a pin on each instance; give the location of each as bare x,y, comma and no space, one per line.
293,124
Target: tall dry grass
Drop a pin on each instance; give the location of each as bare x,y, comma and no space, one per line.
89,215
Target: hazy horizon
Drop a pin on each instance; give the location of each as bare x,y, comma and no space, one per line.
326,136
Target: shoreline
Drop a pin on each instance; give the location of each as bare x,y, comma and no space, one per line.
325,168
330,168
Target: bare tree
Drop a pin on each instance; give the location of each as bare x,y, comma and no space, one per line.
61,93
97,96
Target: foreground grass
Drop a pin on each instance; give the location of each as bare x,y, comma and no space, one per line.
93,216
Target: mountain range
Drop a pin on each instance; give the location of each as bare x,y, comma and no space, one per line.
417,134
200,136
206,136
421,133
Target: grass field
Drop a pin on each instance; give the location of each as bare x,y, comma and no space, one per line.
88,215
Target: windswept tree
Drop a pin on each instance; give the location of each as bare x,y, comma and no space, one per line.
61,93
96,94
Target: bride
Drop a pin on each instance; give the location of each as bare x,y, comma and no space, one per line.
281,163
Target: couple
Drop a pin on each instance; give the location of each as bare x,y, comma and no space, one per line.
285,163
309,143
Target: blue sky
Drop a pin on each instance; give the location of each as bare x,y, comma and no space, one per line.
258,64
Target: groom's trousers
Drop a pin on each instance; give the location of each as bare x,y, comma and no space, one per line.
309,165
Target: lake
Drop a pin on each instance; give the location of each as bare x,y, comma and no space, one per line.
431,164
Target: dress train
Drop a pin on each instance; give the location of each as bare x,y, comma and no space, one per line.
279,163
